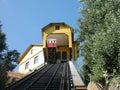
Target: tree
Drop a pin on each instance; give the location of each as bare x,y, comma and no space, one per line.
99,36
7,59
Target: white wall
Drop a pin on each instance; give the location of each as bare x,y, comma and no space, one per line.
37,51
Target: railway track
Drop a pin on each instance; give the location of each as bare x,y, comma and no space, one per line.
51,77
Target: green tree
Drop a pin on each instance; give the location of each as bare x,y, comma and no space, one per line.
99,36
7,59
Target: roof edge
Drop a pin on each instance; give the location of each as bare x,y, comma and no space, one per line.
50,24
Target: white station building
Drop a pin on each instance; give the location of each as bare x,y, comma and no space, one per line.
32,59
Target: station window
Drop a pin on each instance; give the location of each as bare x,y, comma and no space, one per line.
35,59
32,51
27,65
57,27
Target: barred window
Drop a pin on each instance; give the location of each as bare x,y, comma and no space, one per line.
35,59
27,65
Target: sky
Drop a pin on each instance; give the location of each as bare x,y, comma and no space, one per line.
23,20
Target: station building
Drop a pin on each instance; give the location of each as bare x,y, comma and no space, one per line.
58,45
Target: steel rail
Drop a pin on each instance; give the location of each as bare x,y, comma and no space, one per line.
66,78
17,83
55,83
52,77
42,82
62,78
68,73
36,79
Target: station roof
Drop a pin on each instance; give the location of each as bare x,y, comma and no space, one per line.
58,23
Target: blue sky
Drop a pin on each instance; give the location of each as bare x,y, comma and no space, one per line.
23,19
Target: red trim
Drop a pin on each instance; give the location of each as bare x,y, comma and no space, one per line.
51,44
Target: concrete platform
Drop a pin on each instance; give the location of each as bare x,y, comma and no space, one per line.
77,81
